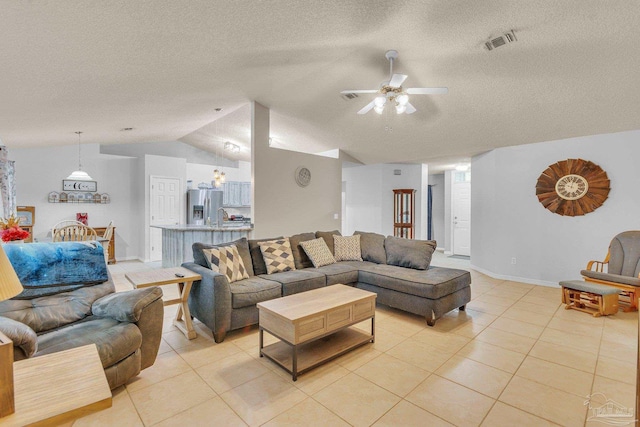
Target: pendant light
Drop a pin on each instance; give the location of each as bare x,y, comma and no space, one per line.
79,174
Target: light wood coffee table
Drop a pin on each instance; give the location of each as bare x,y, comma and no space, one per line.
181,276
314,326
59,387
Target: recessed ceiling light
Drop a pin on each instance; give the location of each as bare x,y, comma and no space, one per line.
126,129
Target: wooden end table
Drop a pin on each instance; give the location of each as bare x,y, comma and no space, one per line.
181,276
58,388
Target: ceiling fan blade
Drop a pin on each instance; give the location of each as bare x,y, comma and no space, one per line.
397,80
427,90
360,91
410,108
367,108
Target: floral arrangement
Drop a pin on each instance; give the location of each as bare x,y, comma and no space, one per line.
10,229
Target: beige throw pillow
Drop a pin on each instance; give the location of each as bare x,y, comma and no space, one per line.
226,260
318,252
277,255
347,248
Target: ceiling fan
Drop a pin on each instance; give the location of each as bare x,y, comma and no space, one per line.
392,92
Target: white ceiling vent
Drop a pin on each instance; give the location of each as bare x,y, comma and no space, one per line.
349,96
501,40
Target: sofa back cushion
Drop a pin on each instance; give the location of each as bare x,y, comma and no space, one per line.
55,267
328,238
259,267
299,256
243,250
372,247
409,253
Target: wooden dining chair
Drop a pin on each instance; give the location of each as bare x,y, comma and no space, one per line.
64,223
74,233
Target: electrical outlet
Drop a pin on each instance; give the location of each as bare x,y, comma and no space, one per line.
513,260
336,216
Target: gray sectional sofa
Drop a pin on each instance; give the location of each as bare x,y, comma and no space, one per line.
397,270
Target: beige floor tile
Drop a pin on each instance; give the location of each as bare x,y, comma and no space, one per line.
392,374
578,316
545,301
399,326
506,340
475,375
177,339
202,354
358,357
496,300
170,397
356,400
308,412
479,317
593,331
518,285
484,307
617,370
557,376
469,329
419,354
167,365
122,412
494,356
502,415
385,339
406,414
517,327
318,378
450,321
535,308
567,356
622,393
614,350
555,336
164,347
539,319
263,398
547,402
449,343
204,414
546,292
450,401
229,372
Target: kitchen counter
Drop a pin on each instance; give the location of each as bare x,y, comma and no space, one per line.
177,239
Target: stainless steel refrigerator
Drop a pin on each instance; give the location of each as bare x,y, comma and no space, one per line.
203,205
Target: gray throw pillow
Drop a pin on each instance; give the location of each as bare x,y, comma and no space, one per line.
299,256
372,247
408,253
243,249
328,238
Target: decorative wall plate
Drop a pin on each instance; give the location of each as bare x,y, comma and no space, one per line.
573,187
303,176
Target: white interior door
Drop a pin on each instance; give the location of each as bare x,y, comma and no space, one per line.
165,210
461,207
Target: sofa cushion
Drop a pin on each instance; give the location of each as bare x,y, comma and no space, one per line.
277,255
347,248
259,267
372,247
226,260
318,252
409,253
299,256
616,278
433,283
114,340
339,272
53,267
328,238
243,249
297,281
249,292
24,338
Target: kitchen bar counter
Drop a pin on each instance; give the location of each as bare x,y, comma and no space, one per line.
177,239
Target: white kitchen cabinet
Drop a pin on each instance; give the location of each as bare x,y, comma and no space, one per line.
236,194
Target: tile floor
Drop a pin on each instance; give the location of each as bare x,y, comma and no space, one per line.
515,357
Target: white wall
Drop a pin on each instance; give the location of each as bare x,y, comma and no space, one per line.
369,191
437,194
509,222
41,170
280,206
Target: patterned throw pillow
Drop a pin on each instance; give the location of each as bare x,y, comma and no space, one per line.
347,248
318,252
226,260
277,255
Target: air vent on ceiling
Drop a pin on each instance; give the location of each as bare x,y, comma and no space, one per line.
501,40
349,96
397,171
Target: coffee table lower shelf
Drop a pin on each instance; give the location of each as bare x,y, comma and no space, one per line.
314,353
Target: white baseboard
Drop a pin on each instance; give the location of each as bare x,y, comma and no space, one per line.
448,252
515,278
440,249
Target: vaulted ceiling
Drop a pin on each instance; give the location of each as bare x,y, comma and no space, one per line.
162,67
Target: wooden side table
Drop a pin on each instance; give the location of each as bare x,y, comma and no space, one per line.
58,388
181,276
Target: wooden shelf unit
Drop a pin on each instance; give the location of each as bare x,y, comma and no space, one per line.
404,212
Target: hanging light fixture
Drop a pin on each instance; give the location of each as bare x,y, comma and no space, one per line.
79,174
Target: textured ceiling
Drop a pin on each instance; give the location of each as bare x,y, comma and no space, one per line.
162,67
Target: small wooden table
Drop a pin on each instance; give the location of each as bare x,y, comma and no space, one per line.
301,320
181,276
59,387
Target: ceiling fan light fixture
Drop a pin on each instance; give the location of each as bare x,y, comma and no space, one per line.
380,101
401,109
378,109
402,99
